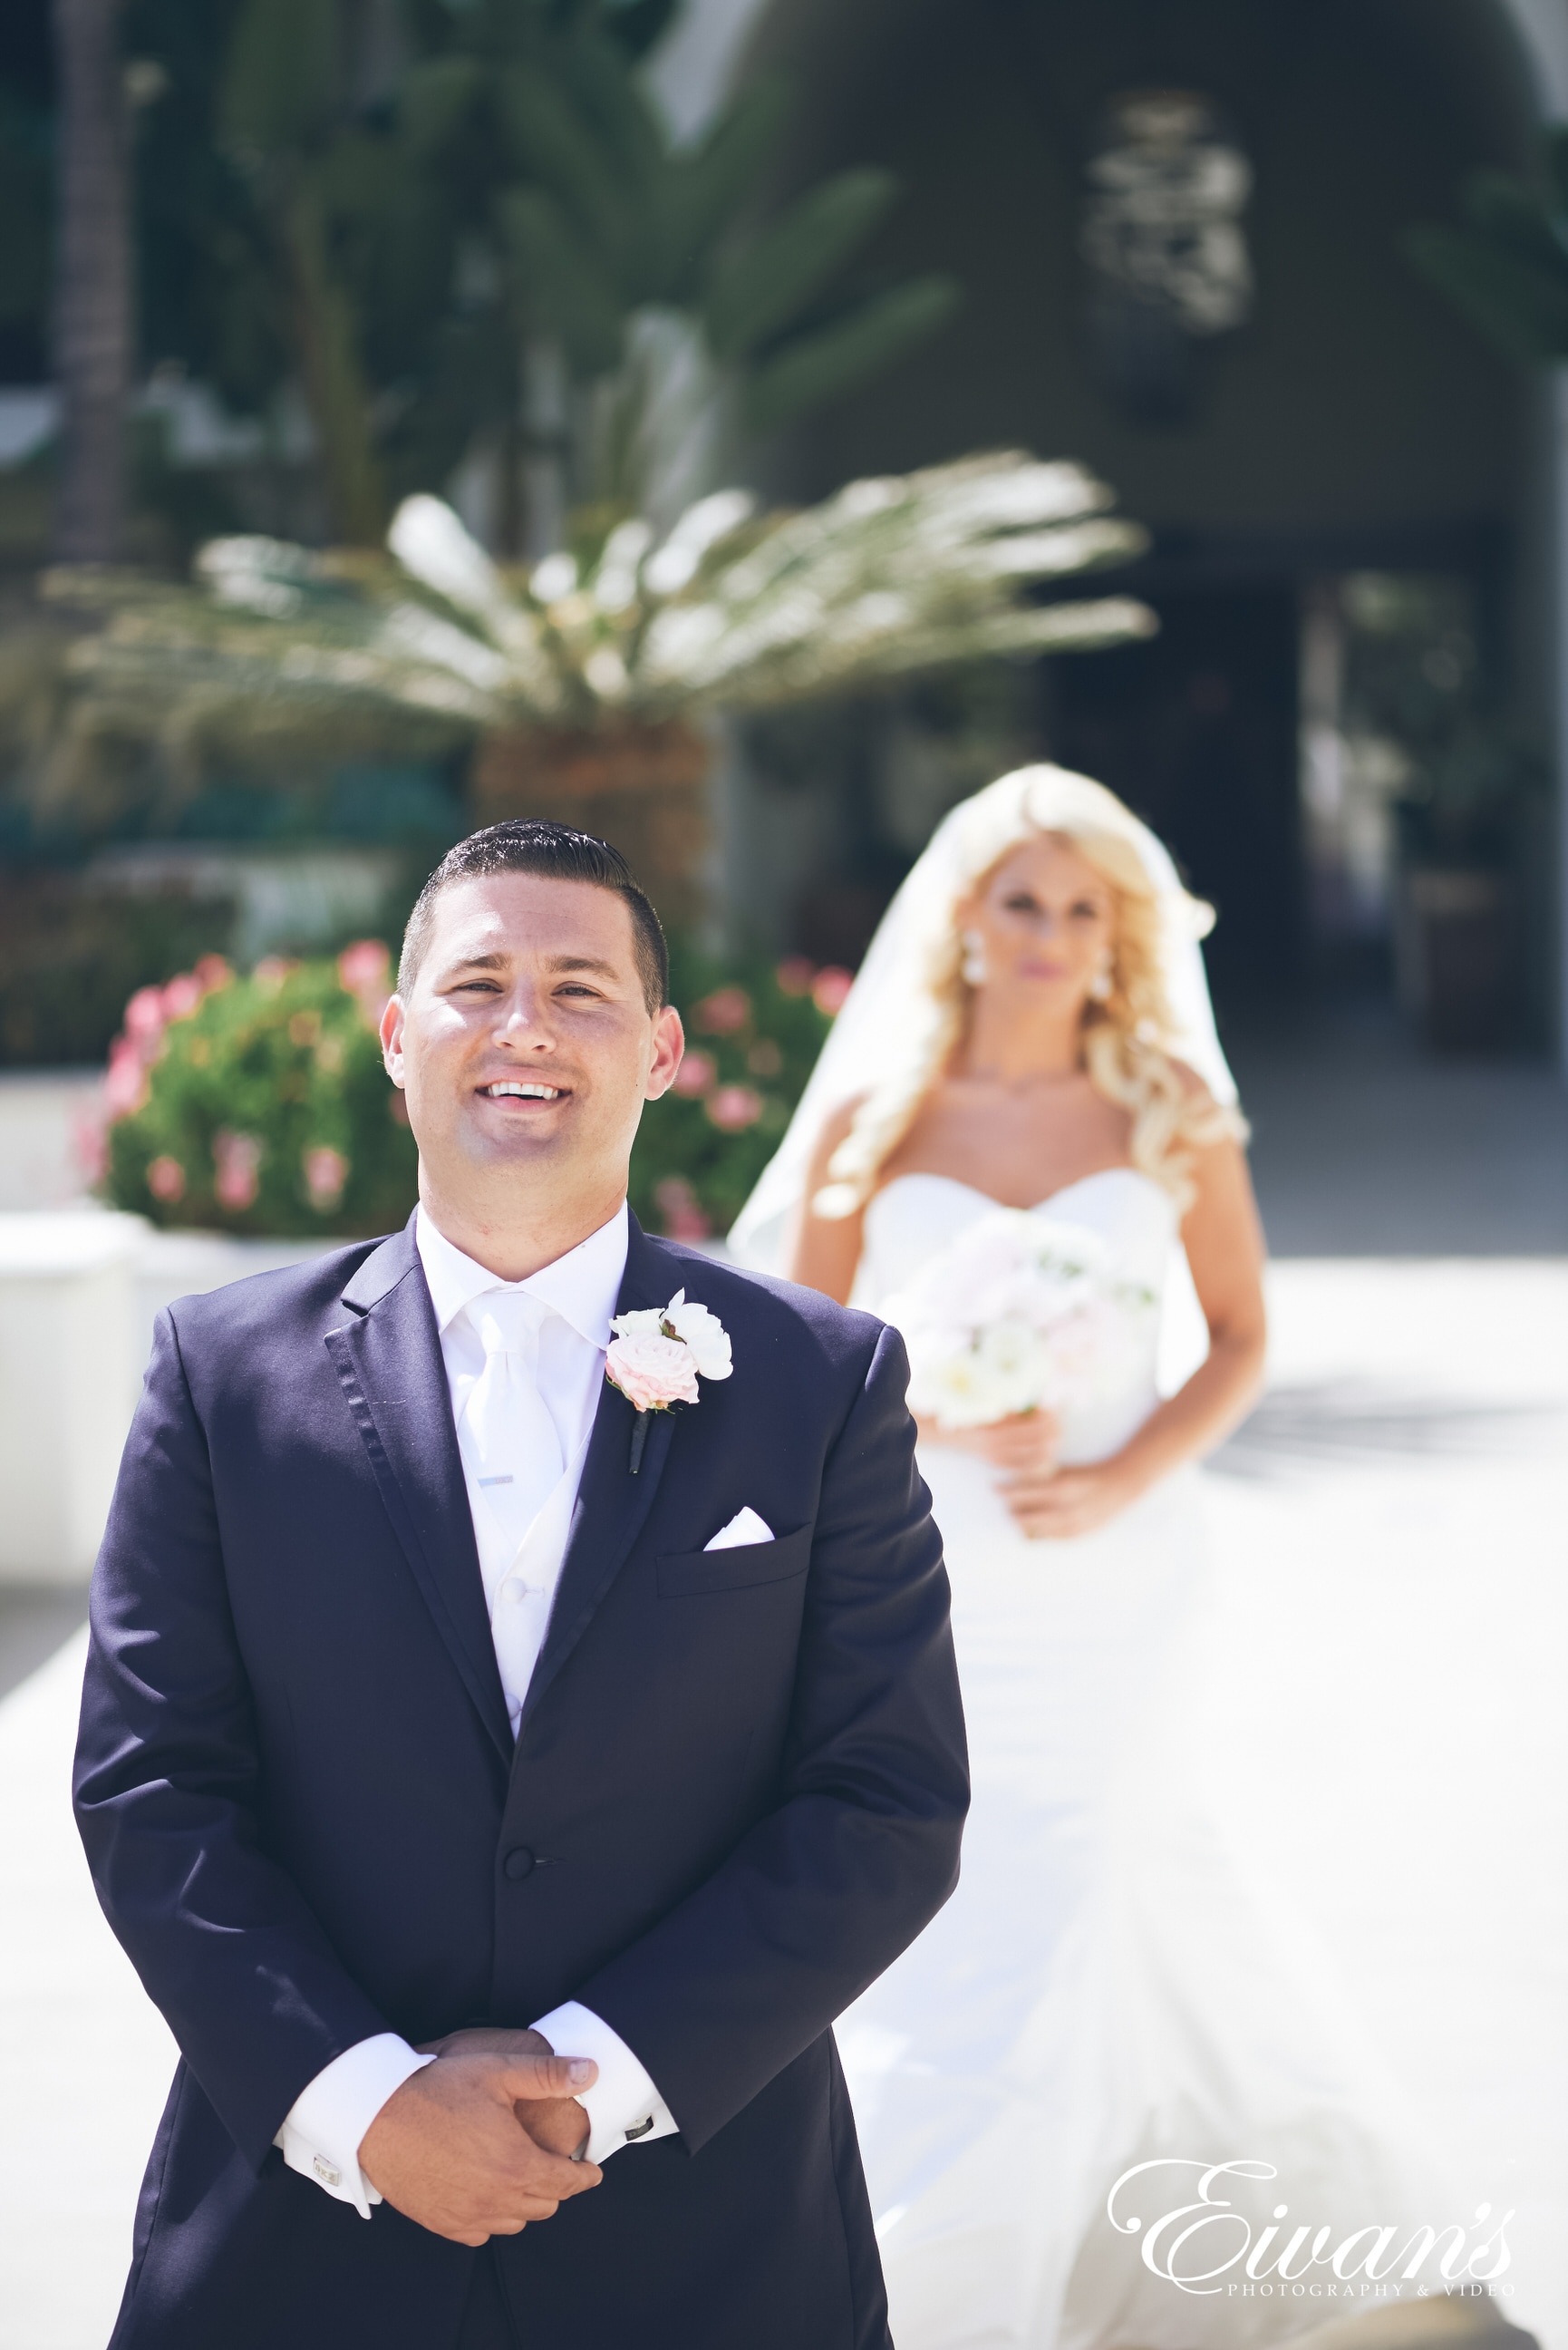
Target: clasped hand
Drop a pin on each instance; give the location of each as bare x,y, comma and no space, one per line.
1049,1503
481,2142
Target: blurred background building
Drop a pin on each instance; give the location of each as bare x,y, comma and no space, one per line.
1174,242
1181,232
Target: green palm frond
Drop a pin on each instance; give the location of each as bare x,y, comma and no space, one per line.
1506,268
707,187
814,368
768,285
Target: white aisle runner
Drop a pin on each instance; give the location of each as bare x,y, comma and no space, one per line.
85,2058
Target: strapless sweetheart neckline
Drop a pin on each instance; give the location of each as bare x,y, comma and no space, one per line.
1079,1183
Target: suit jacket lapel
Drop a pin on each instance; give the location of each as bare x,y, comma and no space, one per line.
388,1359
612,1504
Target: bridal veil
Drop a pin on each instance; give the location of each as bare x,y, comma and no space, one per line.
889,1015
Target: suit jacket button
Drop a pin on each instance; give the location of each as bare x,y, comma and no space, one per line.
518,1863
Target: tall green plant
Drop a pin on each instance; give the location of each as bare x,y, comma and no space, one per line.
485,240
316,170
1505,267
287,238
92,290
682,325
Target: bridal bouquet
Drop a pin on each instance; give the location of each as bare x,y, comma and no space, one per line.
1021,1314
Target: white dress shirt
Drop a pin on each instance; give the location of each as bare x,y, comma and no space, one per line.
525,1367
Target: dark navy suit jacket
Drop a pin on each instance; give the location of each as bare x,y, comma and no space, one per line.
736,1794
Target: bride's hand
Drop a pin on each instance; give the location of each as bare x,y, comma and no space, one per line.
1055,1505
1025,1445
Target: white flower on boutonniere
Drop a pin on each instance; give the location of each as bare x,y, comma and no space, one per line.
657,1355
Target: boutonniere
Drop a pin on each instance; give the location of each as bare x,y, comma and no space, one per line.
656,1355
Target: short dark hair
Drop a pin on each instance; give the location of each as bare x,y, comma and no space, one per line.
529,844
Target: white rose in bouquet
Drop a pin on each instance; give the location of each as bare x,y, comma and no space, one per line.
1021,1314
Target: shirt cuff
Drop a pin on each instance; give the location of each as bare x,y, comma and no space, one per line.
623,2107
321,2132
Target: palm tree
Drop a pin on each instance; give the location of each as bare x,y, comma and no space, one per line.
732,609
587,683
92,314
673,324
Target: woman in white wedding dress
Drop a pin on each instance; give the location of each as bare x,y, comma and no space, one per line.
1032,1029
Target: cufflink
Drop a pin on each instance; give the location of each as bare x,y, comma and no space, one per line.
641,2129
328,2173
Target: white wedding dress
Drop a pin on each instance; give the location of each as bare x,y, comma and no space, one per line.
1102,1989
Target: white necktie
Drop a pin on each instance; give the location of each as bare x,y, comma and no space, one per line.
509,1435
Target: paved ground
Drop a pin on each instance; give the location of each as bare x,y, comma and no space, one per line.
1364,1146
35,1621
1377,1691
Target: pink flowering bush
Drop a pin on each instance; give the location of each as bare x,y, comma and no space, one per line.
260,1105
752,1040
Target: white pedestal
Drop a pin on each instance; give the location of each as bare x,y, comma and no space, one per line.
69,1370
79,1293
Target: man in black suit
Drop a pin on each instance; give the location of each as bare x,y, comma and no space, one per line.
500,1786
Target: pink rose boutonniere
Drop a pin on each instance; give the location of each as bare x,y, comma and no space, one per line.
656,1355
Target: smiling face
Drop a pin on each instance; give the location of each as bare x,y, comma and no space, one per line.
1044,922
525,1049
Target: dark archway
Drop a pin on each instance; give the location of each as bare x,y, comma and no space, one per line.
1349,424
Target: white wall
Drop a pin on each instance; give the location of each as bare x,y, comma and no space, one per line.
46,1117
68,1369
79,1293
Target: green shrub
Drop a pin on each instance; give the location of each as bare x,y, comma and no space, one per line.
261,1105
752,1034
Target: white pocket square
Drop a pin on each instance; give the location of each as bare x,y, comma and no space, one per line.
745,1526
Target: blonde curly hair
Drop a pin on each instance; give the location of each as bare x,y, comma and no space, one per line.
1126,1037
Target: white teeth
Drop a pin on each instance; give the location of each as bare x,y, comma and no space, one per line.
526,1093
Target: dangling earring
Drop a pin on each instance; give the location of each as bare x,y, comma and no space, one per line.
973,966
1104,978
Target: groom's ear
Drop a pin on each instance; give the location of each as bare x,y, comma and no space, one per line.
391,1031
669,1047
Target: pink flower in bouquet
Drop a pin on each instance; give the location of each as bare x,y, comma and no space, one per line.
794,975
272,970
1020,1312
652,1371
237,1158
697,1074
212,972
680,1210
829,989
734,1107
182,996
166,1180
125,1087
720,1013
365,973
326,1173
